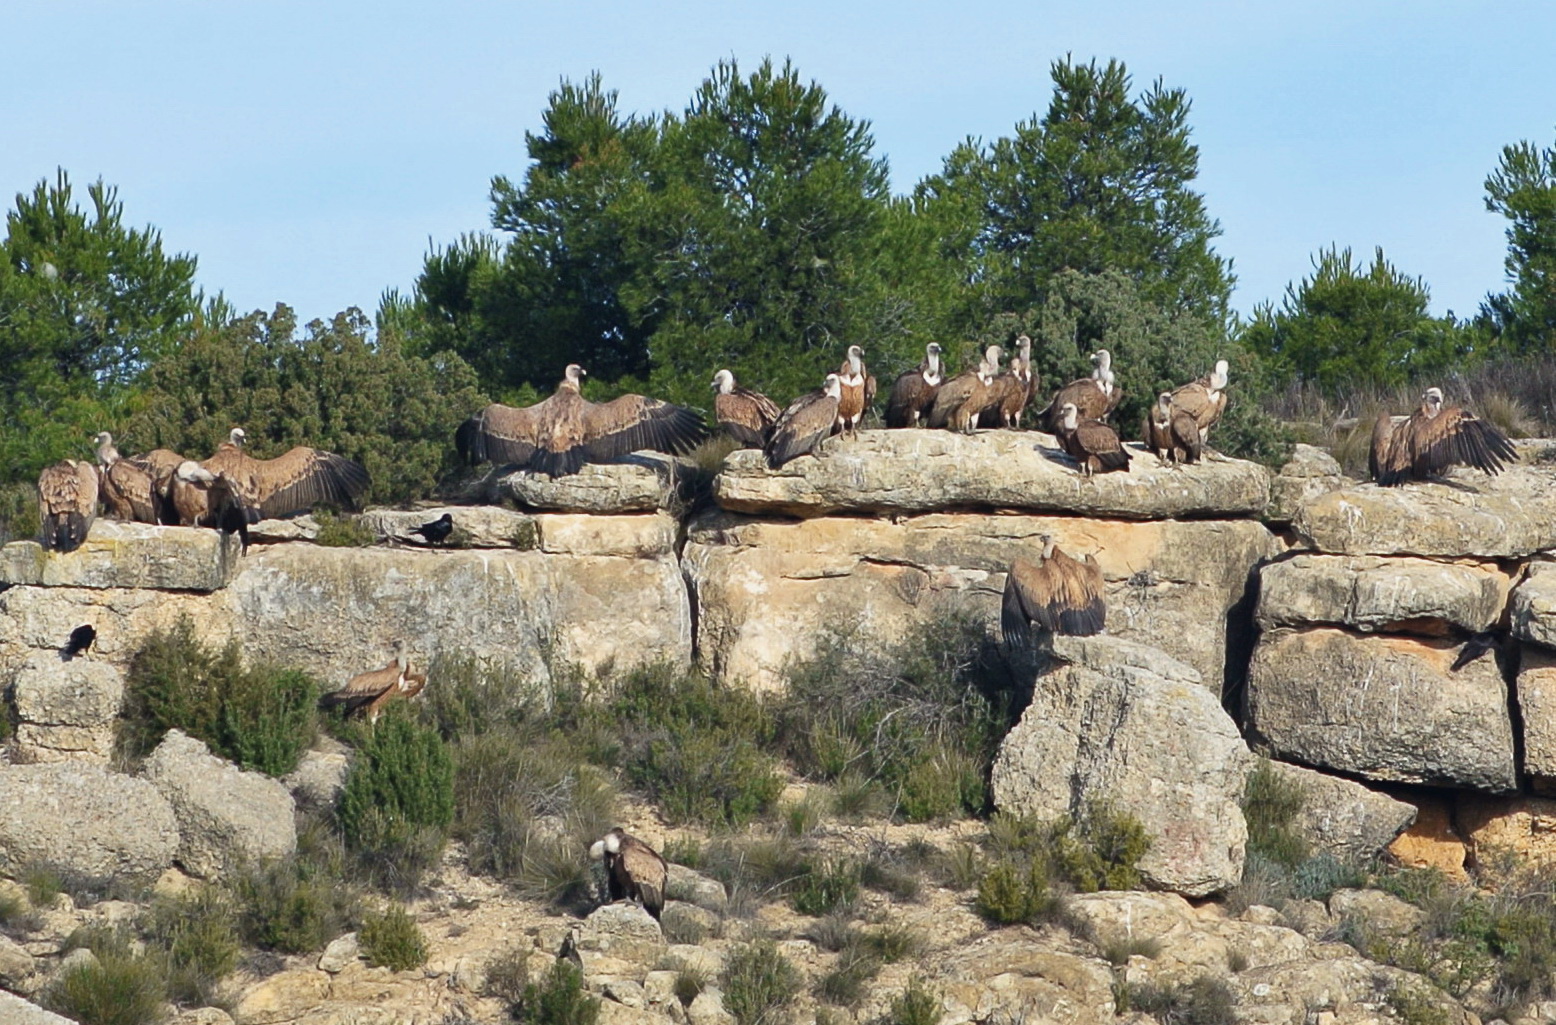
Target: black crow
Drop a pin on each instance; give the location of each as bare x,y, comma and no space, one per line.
1476,646
438,530
81,638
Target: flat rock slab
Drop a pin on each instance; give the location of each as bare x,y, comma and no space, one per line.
1537,708
1534,605
1343,818
1467,515
1385,708
16,1011
475,526
639,483
768,591
117,554
924,471
1157,748
1371,592
86,820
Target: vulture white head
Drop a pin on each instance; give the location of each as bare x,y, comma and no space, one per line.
723,382
1024,346
1218,377
1049,544
833,386
191,472
106,453
237,436
992,356
932,361
1164,407
855,359
1069,416
608,844
1432,401
1103,360
573,376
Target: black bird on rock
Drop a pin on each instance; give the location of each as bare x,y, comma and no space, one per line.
438,530
81,639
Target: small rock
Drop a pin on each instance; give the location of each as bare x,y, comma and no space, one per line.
78,958
659,987
341,952
1377,912
625,991
693,887
319,778
1262,914
708,1009
688,923
620,931
15,963
202,1016
1431,841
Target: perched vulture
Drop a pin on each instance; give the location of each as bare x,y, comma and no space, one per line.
293,482
67,503
1204,399
1093,397
745,415
1057,594
81,639
1433,439
961,399
367,693
435,532
857,394
1171,433
633,870
558,435
913,393
129,489
1382,431
1091,443
803,426
200,498
1011,391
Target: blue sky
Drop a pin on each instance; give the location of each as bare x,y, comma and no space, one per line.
306,152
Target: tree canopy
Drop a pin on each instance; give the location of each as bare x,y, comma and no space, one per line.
1523,190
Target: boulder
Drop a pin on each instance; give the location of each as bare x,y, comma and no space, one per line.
1342,818
475,526
1467,515
65,710
1378,913
1519,831
1384,708
226,817
1309,472
16,1011
1536,692
119,554
319,778
914,471
1372,593
624,932
16,965
1150,744
693,887
767,591
85,820
1432,841
641,482
1533,610
35,618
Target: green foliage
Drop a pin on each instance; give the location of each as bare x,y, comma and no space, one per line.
759,984
689,984
343,532
825,887
558,999
1013,893
18,512
393,939
1415,1005
334,388
398,801
1270,804
199,934
1201,1001
507,974
845,984
1100,850
915,1005
119,987
261,717
1523,190
297,904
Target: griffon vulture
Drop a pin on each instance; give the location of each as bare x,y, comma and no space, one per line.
128,488
1011,391
435,532
633,870
558,435
1171,433
67,503
1204,399
80,640
1433,439
201,498
367,693
1093,397
857,393
961,399
803,426
744,414
913,393
1091,443
293,482
1057,594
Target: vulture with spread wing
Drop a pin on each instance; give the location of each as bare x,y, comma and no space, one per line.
745,415
558,435
913,393
67,503
856,395
1056,594
1433,439
633,870
366,694
1094,397
1091,443
293,482
200,498
1204,399
805,424
1171,433
963,398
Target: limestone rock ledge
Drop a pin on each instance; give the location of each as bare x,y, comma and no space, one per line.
1309,472
1343,818
1534,605
921,470
641,482
119,554
1384,708
86,820
1373,593
768,590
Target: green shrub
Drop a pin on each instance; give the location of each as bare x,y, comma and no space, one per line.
19,513
845,984
473,696
1101,850
558,999
13,909
44,882
689,984
1202,1001
1414,1005
759,984
886,874
755,868
298,904
199,932
261,717
398,802
393,940
1011,893
916,1005
120,987
1119,950
342,531
893,943
825,887
507,975
1270,804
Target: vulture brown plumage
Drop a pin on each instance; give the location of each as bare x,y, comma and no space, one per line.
805,424
67,503
1171,433
558,435
1012,390
963,398
1091,443
200,498
1093,397
1055,593
745,415
913,393
633,870
856,393
1204,399
293,482
129,488
366,694
1434,438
